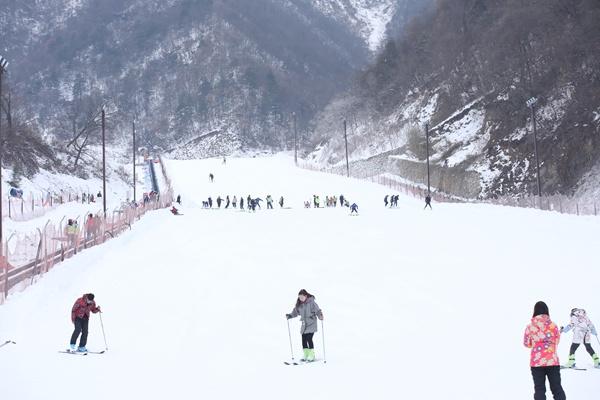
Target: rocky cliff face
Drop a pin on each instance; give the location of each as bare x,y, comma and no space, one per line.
467,69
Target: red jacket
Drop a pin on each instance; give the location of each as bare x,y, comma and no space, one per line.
81,308
542,337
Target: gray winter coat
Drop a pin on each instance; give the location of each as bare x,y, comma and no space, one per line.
308,312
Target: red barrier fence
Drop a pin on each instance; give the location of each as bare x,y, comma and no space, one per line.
25,258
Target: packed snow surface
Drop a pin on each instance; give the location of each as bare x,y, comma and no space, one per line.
418,304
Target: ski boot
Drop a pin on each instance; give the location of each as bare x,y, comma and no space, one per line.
596,359
571,362
305,358
81,349
311,355
72,348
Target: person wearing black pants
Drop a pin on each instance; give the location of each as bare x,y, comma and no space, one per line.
80,316
427,202
308,311
542,337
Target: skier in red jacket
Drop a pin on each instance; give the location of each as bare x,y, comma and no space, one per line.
80,316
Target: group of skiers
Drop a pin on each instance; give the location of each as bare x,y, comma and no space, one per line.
251,203
392,200
542,337
330,201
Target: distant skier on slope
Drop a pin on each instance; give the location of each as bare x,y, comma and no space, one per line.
269,202
179,199
227,202
542,337
428,202
211,177
234,202
210,202
341,200
385,200
219,201
309,311
281,202
354,208
241,202
582,330
80,316
175,211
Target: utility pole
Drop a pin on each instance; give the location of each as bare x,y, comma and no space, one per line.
428,175
531,103
103,164
134,153
3,64
346,140
295,140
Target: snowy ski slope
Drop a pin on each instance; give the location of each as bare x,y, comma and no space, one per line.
417,304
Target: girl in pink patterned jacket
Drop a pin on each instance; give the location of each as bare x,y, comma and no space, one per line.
542,337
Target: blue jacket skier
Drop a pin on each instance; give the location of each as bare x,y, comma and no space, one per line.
353,208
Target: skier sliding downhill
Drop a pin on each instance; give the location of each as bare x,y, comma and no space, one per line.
582,330
354,209
309,311
80,316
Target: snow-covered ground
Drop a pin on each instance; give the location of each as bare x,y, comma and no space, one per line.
417,304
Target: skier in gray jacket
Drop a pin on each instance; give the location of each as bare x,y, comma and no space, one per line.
309,311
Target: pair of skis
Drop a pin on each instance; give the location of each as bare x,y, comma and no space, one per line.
293,362
7,342
82,353
577,368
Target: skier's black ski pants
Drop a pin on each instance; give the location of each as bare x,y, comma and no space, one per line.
81,327
539,380
307,341
588,347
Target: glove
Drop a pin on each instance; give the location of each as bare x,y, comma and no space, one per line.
288,316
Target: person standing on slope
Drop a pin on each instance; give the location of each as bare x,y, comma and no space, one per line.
281,202
582,331
428,202
542,337
80,316
385,200
354,208
309,311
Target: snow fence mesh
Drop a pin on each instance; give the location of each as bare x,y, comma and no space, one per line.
25,258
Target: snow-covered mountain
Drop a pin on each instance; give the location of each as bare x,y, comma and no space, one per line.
230,70
373,20
468,68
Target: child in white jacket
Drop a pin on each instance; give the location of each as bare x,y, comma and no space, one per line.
582,331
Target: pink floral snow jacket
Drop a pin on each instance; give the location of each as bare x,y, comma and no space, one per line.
542,337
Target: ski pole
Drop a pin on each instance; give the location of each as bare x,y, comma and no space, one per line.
103,334
323,334
290,335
